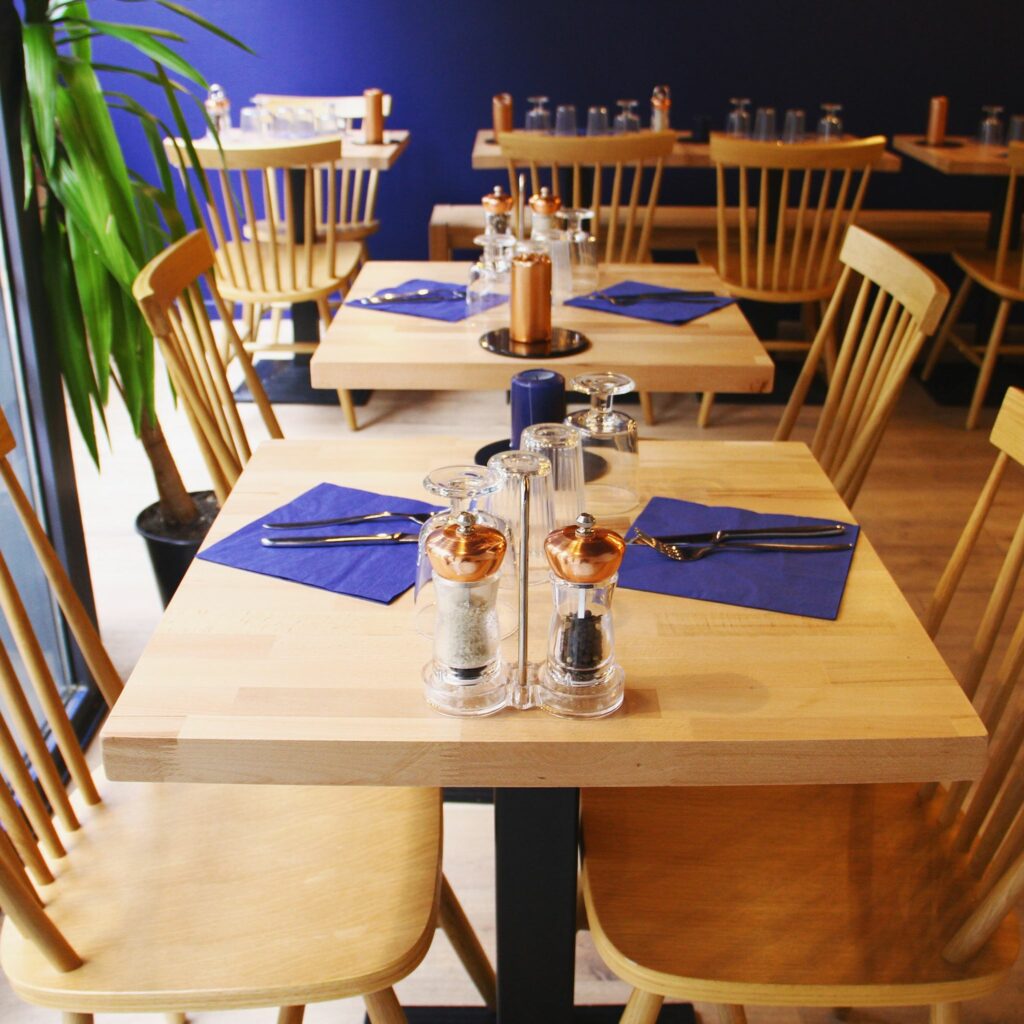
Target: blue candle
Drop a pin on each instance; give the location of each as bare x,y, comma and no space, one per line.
538,396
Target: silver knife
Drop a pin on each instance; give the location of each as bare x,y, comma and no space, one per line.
715,536
334,539
421,295
367,517
672,296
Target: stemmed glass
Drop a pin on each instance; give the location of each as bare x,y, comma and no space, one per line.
627,119
990,131
830,126
565,119
538,119
737,123
597,121
610,446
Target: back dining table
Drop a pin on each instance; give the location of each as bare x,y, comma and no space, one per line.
252,679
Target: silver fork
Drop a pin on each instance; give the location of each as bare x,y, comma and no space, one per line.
694,553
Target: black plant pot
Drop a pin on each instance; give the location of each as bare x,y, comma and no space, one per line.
172,547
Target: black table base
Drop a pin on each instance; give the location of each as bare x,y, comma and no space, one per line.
676,1013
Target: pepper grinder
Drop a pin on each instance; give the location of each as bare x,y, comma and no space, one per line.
466,676
581,678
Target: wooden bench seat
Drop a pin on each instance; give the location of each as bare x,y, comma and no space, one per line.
691,227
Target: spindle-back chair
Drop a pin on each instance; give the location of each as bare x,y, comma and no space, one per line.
1000,272
161,897
874,895
897,304
169,291
782,211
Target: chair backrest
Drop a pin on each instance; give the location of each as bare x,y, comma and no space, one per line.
883,336
624,156
264,228
352,107
169,293
1006,271
28,831
781,216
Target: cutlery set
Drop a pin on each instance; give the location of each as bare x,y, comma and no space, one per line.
680,547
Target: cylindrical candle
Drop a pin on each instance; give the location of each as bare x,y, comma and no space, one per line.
937,112
530,314
538,396
373,120
501,113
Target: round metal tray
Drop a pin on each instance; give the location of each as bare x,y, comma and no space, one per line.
564,342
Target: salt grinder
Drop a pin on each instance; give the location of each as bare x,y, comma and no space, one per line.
497,206
218,107
466,675
580,678
661,102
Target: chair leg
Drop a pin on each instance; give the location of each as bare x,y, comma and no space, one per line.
383,1007
988,364
642,1008
276,315
291,1014
324,309
464,940
647,407
707,400
181,1018
945,1013
951,318
731,1014
76,1018
348,408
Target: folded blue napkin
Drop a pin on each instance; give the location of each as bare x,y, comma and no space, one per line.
660,310
375,572
777,581
449,310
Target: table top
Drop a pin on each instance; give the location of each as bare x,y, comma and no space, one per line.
371,348
251,679
965,156
685,153
355,154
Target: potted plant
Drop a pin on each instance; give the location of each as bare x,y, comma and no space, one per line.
102,222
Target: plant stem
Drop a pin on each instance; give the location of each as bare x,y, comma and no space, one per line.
176,504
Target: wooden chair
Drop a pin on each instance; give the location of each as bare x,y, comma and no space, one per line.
897,304
264,253
169,291
1000,272
780,227
823,895
162,897
625,157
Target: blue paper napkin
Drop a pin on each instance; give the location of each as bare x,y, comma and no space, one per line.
660,310
375,572
451,311
776,581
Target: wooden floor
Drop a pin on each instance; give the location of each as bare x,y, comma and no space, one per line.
916,498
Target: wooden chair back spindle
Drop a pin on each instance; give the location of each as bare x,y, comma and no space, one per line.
626,219
1005,271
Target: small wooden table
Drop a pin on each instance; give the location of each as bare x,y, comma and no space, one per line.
964,155
685,153
371,348
250,679
356,155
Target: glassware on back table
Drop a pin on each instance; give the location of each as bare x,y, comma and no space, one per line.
610,446
764,125
737,124
562,446
250,121
565,120
627,119
1016,129
990,131
794,129
582,250
597,121
830,125
538,117
661,105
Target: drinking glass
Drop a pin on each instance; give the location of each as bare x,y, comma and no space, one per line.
326,120
283,125
610,447
597,121
627,119
830,126
582,249
305,123
462,487
1016,128
794,128
538,119
562,446
565,119
990,131
764,125
737,123
249,122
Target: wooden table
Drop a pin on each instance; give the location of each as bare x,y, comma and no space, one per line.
965,156
356,155
685,153
250,679
371,348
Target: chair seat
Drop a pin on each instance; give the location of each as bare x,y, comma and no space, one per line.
808,896
204,897
980,264
733,277
323,279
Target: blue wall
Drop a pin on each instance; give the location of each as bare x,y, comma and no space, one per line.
442,61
